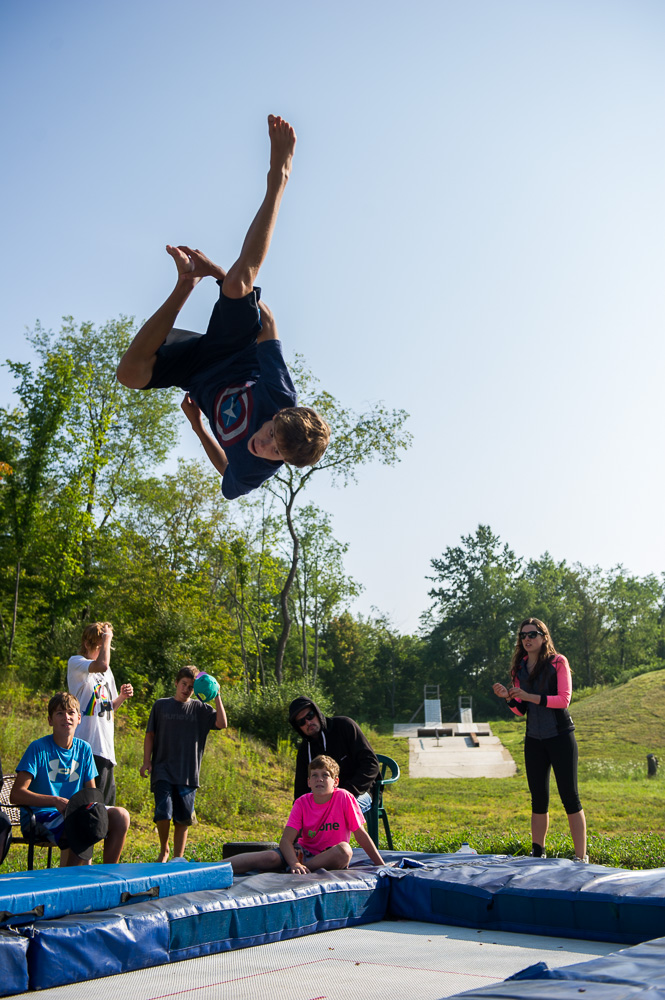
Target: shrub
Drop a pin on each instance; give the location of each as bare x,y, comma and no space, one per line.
265,712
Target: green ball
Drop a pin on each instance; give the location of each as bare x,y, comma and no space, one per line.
205,687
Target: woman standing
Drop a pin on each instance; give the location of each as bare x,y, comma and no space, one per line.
541,688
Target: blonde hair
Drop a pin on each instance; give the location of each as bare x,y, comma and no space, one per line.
92,636
301,435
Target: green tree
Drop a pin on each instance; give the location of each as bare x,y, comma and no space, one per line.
321,585
378,434
470,627
109,439
28,441
252,579
633,613
350,671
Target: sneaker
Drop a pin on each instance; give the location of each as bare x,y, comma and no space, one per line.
583,861
539,856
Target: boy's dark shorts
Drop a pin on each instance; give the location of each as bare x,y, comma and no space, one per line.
174,802
105,780
302,854
234,325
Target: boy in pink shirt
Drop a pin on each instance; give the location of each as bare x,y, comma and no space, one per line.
322,820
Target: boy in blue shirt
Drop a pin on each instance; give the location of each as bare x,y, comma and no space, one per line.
51,771
235,374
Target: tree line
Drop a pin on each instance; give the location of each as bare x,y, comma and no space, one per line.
256,591
89,530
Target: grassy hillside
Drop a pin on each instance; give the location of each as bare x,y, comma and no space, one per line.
246,788
615,729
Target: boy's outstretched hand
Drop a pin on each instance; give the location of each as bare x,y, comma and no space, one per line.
192,412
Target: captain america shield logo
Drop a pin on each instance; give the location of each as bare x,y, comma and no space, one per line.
233,409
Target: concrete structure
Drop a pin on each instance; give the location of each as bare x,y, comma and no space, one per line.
459,756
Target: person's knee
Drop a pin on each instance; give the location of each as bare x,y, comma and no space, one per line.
119,820
132,375
344,854
238,282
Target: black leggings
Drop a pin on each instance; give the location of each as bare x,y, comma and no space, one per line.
559,752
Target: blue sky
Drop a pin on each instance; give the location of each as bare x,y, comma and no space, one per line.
473,232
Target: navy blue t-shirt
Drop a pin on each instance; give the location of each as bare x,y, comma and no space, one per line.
255,384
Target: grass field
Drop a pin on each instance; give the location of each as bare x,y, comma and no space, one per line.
246,788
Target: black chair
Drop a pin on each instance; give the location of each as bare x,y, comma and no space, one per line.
377,811
13,812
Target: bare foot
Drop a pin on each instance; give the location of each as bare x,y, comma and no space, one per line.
200,265
183,261
282,146
163,855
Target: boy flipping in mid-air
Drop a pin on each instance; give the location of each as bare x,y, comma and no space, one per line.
324,818
235,374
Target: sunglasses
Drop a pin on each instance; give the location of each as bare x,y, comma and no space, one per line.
306,718
530,635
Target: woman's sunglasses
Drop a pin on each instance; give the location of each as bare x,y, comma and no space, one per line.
530,635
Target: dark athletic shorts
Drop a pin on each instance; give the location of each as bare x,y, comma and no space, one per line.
302,854
174,802
105,780
234,325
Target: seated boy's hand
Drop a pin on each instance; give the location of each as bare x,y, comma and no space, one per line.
299,869
59,803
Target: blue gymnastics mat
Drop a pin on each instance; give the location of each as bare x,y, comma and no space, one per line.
256,910
550,896
630,973
13,963
56,892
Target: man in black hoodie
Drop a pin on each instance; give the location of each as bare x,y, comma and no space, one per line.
340,738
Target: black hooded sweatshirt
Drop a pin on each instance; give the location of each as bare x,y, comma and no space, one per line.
343,740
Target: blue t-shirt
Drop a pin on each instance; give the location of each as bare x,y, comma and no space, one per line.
255,384
56,771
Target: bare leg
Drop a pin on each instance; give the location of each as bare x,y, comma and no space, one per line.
70,860
539,826
180,831
242,275
163,827
137,363
577,824
334,858
267,861
115,838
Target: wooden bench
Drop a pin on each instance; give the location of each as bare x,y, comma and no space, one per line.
13,812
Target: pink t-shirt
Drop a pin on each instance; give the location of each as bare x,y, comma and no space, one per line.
325,824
